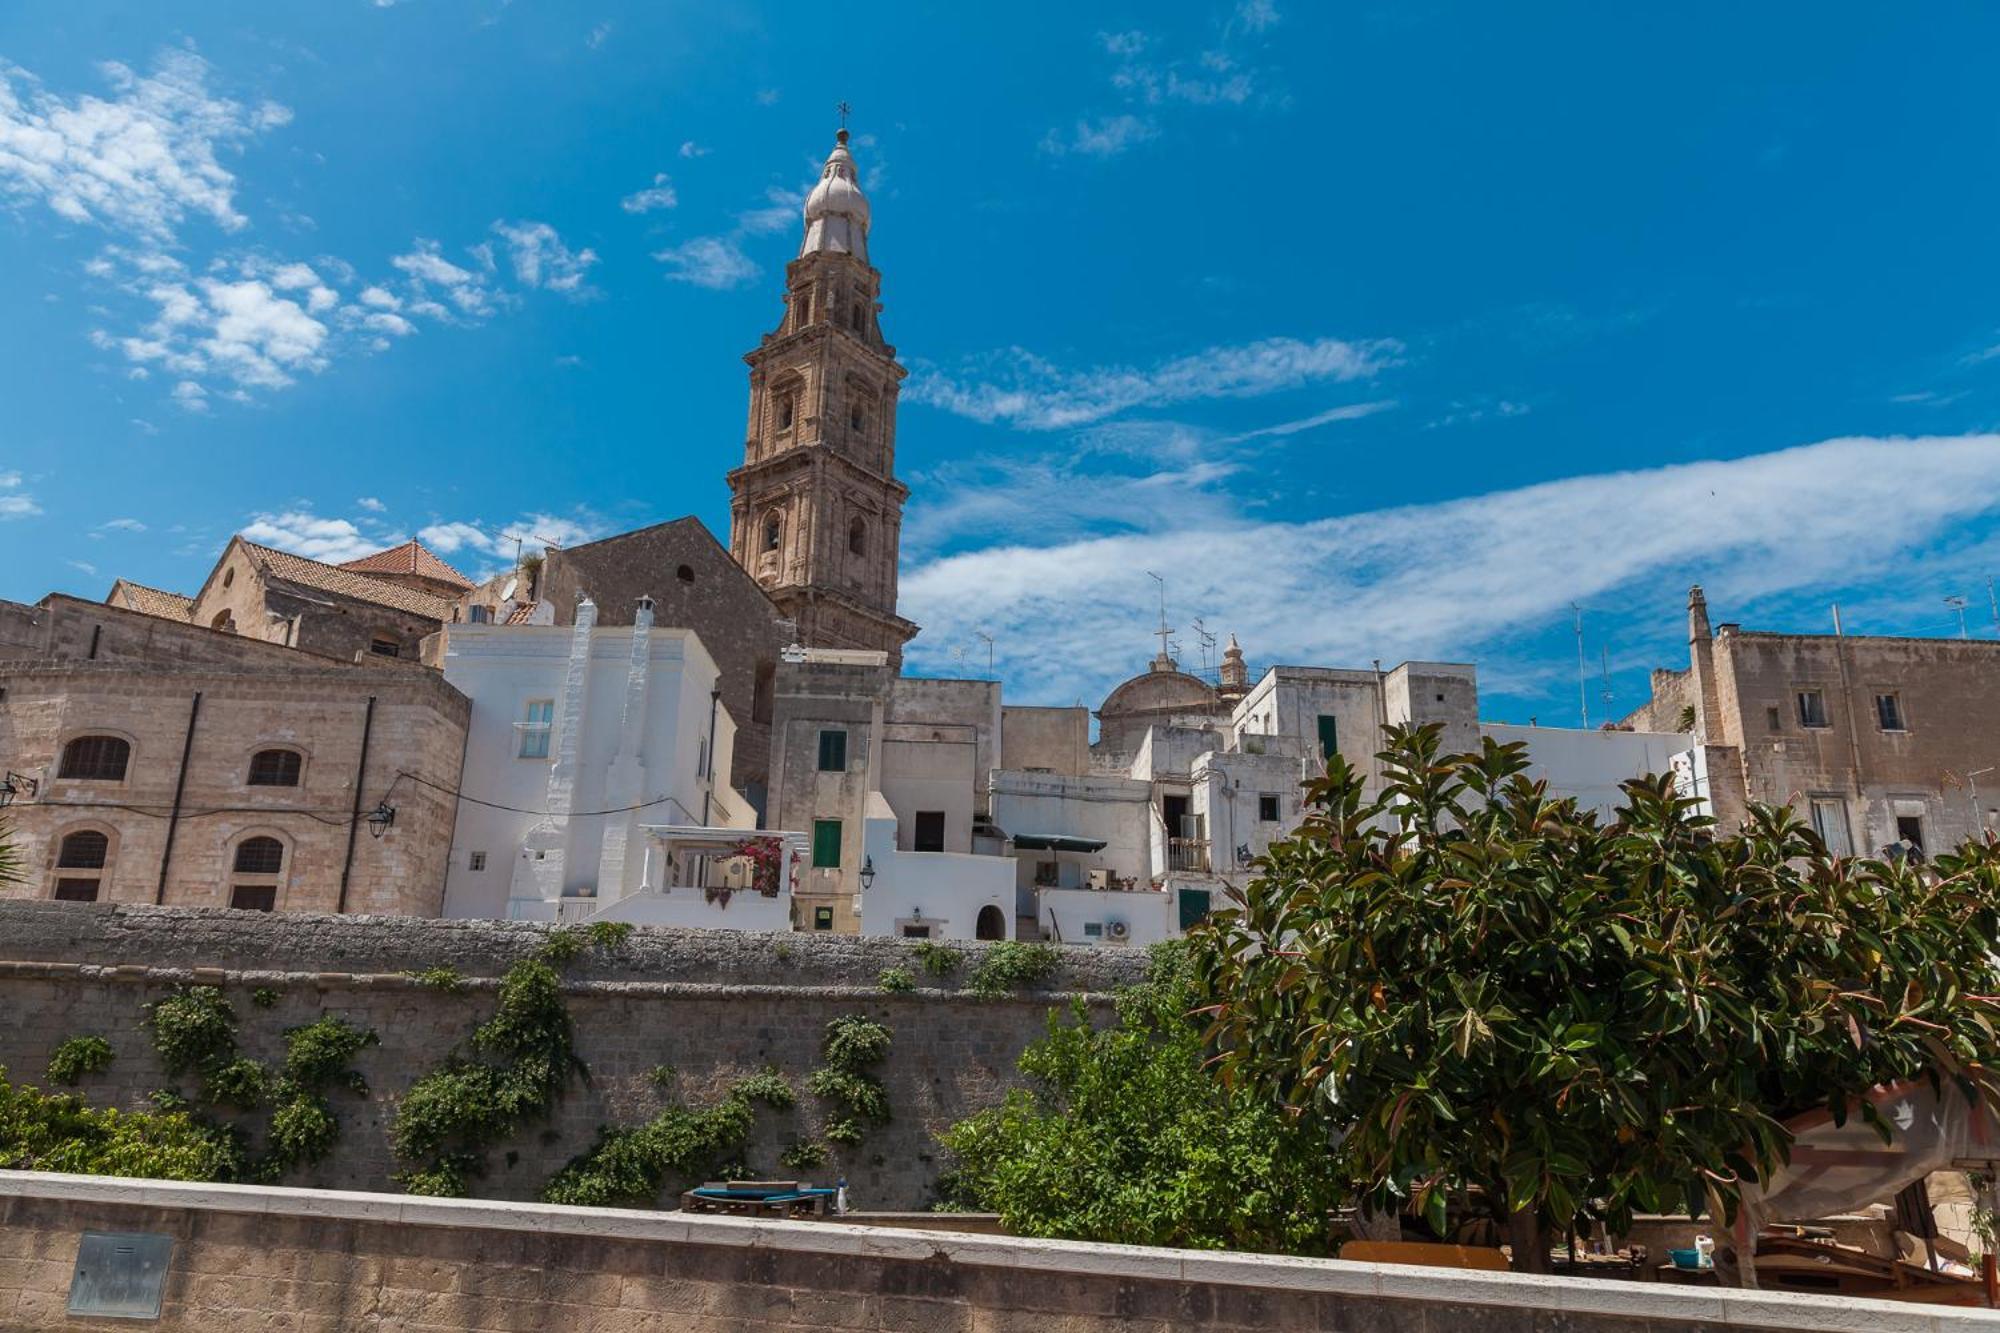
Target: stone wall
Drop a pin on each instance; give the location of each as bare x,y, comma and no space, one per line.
714,1005
262,1259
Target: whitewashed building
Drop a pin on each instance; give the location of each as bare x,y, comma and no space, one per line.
580,738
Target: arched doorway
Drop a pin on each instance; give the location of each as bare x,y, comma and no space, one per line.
992,925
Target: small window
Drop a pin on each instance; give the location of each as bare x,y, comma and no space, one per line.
822,918
1329,737
475,861
223,622
85,849
802,309
685,573
76,890
254,897
479,615
859,317
228,577
259,856
275,768
916,932
384,646
96,759
857,537
1048,874
1889,712
774,532
1093,930
541,720
1774,719
1267,809
785,412
1812,708
929,835
1910,829
856,418
826,844
1829,820
833,752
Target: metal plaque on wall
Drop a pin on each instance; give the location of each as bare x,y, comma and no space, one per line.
120,1274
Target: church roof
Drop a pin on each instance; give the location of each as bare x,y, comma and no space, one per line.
1162,689
836,211
346,582
412,557
150,601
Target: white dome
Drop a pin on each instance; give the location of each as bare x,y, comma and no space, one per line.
836,211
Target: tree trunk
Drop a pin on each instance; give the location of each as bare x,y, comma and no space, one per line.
1529,1241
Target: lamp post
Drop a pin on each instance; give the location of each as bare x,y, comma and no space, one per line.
867,873
381,819
13,784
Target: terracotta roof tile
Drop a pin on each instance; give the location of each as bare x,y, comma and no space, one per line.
336,579
412,557
522,614
150,601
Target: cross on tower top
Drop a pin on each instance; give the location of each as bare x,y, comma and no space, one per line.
844,109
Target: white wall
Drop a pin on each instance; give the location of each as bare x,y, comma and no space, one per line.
1589,765
1227,792
500,668
944,890
745,910
1068,915
1115,810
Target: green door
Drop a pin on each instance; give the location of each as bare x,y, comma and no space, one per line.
1194,907
1329,737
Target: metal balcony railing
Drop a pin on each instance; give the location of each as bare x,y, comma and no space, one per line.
1190,854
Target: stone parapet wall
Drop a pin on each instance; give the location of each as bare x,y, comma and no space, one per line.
257,1258
715,1006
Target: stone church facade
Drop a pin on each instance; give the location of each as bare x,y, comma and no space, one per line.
816,511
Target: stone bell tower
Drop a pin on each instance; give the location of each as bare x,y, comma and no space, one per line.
816,511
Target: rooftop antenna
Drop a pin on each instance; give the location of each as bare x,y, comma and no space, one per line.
1994,602
1207,643
1163,631
958,656
1582,673
1604,670
1958,604
986,639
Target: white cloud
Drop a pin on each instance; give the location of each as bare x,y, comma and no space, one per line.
715,262
191,396
1256,15
140,162
689,148
84,566
530,532
781,208
660,194
1029,392
1452,578
15,502
767,96
1123,43
381,298
121,525
598,34
542,260
1106,136
371,504
305,533
467,289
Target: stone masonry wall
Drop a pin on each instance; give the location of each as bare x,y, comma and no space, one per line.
714,1005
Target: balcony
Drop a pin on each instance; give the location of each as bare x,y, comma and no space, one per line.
1188,855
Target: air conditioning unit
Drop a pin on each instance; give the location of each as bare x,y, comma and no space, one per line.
1100,877
1116,930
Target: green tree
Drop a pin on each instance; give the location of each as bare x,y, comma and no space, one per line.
1124,1136
1477,987
12,870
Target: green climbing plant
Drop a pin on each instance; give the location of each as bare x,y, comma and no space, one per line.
896,980
627,1167
854,1044
1013,965
937,960
76,1057
41,1131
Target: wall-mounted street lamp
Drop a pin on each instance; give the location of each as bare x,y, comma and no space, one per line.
867,873
13,785
381,819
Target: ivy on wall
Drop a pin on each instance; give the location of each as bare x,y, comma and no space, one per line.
853,1045
627,1167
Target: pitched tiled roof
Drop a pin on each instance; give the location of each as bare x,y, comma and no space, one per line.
412,557
522,614
151,601
335,579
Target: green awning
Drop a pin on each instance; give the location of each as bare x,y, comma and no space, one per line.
1056,842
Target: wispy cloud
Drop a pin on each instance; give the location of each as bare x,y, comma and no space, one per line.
660,194
598,35
139,162
714,262
501,541
15,502
1458,578
305,533
1032,393
118,525
689,148
1105,136
370,504
541,259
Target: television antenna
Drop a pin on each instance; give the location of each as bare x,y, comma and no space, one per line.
1604,674
1207,641
1163,631
1582,673
986,639
1958,604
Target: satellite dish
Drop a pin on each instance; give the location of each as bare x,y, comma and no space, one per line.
507,592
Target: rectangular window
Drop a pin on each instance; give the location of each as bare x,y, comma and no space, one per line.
1329,737
833,752
479,615
930,831
541,720
916,932
76,890
826,844
1774,720
1093,930
822,918
1889,712
1910,829
1267,809
1048,874
475,860
383,646
254,897
1812,708
1829,820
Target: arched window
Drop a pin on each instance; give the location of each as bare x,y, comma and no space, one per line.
784,411
275,768
254,877
857,418
857,537
228,577
990,925
802,307
96,759
81,860
685,573
224,621
774,530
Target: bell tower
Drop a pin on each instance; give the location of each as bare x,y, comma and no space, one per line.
816,511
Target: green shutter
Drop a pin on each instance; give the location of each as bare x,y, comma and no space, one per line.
826,844
1329,737
833,752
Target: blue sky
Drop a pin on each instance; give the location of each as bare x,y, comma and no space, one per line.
1379,331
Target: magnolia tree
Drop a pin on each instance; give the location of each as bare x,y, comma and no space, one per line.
1491,1000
